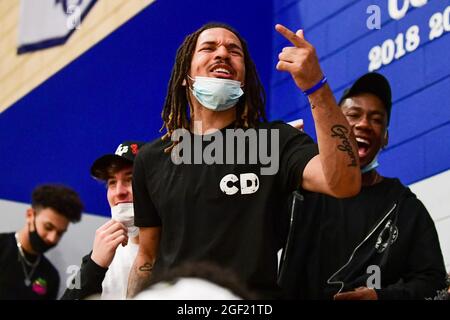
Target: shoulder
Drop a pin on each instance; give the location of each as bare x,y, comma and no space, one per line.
153,148
400,191
154,145
412,209
278,124
5,237
7,245
286,131
7,240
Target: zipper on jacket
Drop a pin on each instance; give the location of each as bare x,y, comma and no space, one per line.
356,248
297,197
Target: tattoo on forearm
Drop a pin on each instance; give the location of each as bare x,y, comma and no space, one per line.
146,267
138,281
341,132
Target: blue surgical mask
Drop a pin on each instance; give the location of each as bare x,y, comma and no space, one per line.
370,166
374,163
215,93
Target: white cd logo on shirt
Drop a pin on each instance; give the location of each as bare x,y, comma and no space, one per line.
249,183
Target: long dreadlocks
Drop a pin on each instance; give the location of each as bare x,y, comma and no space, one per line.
250,110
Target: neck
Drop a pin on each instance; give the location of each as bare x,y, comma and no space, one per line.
204,120
25,241
371,178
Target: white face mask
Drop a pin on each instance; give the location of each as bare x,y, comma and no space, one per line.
215,93
124,213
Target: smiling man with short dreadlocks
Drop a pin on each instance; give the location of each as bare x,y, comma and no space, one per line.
212,188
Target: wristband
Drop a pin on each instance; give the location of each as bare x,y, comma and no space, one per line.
316,87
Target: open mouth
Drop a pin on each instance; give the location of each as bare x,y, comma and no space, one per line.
222,71
363,146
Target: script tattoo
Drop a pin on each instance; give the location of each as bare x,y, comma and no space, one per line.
146,267
341,132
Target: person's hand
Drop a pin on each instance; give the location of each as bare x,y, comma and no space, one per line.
107,238
300,61
361,293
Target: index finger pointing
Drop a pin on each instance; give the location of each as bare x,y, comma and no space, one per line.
289,35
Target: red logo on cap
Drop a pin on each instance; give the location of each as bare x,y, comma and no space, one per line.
134,148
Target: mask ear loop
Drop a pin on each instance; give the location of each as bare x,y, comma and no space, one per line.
386,135
187,82
374,163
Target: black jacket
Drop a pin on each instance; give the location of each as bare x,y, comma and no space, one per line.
384,233
90,278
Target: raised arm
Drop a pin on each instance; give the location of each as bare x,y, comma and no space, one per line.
141,270
335,171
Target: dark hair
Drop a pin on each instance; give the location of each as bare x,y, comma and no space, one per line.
116,165
208,271
250,110
373,83
60,198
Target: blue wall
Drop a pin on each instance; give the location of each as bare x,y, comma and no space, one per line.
419,144
113,92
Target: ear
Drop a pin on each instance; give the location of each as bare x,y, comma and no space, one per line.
385,139
184,83
30,213
29,217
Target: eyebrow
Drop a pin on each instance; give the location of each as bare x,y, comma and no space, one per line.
53,226
127,173
230,45
356,108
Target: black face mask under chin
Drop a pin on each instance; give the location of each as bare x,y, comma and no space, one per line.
38,245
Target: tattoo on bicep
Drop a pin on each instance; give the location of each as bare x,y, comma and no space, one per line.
146,267
341,132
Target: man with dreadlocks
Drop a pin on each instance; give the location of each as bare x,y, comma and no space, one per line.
229,212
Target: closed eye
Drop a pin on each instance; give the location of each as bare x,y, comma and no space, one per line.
111,183
377,120
352,115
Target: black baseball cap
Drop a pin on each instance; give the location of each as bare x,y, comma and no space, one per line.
125,152
373,83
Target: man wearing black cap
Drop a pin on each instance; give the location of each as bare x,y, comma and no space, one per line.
105,270
380,244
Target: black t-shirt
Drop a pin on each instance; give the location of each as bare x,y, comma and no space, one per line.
229,214
44,280
338,239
